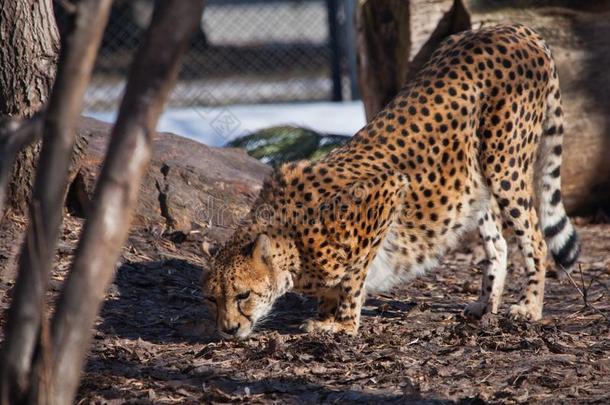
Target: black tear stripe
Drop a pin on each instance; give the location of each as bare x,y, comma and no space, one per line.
248,317
567,255
554,230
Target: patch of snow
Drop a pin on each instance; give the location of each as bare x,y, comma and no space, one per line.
215,126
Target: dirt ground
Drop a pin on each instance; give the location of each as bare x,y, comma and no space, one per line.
154,341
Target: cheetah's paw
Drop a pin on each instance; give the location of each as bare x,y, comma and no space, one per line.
329,325
528,312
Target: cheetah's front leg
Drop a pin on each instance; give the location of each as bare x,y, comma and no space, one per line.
346,301
327,305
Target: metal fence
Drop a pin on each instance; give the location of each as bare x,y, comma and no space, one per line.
247,51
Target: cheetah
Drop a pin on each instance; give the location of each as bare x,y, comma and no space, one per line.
474,141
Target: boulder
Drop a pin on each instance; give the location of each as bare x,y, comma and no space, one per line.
189,186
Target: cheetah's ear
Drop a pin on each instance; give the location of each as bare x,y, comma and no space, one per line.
262,249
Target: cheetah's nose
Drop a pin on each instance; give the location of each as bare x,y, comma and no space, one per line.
231,330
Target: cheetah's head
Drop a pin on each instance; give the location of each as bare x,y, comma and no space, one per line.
241,286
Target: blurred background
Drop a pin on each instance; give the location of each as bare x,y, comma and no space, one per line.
260,63
247,53
286,79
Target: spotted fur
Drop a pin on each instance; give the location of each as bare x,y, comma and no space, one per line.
473,142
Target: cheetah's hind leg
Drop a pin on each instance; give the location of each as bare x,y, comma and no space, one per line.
492,285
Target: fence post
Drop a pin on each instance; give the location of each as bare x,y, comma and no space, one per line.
333,42
350,47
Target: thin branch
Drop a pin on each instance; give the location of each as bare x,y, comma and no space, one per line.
583,294
152,74
15,135
77,56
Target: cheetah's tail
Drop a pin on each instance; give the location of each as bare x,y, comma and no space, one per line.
561,237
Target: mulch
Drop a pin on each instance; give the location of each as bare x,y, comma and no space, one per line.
154,341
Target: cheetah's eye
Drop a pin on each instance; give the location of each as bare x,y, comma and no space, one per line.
243,296
211,299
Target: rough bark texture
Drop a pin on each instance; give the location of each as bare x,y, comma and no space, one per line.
395,38
28,56
15,134
28,59
384,44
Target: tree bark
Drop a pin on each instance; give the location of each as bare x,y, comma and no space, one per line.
28,59
396,38
28,56
384,43
28,63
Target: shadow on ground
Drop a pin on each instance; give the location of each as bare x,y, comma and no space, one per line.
161,302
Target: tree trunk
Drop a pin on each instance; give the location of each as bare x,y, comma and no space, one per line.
28,62
28,59
396,38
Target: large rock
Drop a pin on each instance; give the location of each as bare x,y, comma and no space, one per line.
188,187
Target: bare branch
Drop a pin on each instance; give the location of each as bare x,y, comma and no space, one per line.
14,136
583,292
78,51
152,74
